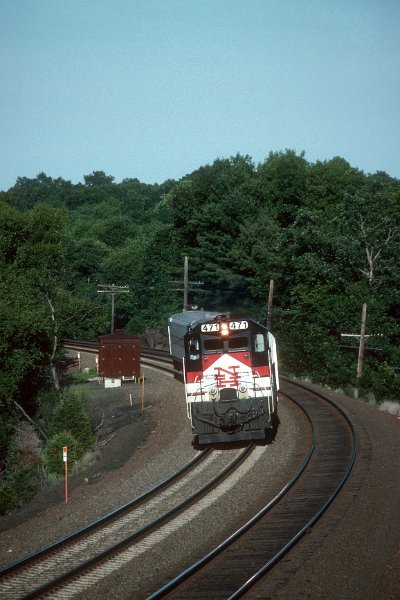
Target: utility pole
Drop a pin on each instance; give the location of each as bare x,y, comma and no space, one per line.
113,289
186,284
270,302
361,346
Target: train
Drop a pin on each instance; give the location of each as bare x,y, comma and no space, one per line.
229,367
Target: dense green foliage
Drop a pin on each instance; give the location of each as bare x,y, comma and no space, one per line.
24,468
30,460
69,415
326,233
54,451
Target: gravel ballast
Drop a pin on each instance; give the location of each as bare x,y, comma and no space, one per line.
353,552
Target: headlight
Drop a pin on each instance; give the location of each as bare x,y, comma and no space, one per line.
243,391
213,393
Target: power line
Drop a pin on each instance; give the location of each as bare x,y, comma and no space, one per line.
113,289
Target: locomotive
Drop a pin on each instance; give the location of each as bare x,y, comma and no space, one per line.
230,370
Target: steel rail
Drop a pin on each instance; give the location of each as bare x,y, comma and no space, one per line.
92,347
291,543
159,359
101,556
198,565
275,559
108,517
113,514
174,583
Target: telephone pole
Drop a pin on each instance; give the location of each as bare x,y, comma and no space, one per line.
270,302
113,289
186,284
361,346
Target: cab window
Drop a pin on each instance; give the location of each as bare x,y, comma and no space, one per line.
194,349
238,343
259,342
213,344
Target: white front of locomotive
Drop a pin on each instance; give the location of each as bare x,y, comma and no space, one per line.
219,363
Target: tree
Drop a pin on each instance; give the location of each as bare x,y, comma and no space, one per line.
98,178
373,216
34,297
28,192
259,255
328,184
207,210
325,232
283,183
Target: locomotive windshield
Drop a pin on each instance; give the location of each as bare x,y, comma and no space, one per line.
213,344
223,336
238,343
219,344
194,349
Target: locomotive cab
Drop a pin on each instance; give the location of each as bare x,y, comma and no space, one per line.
231,378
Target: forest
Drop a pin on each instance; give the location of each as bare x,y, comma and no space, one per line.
326,233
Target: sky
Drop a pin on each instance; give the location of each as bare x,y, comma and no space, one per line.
155,89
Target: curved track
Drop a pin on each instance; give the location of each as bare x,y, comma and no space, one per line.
232,568
241,560
76,554
158,359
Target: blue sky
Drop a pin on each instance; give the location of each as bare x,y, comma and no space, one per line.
154,89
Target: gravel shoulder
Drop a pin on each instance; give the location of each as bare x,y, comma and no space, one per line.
143,447
352,553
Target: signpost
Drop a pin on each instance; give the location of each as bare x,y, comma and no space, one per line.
65,459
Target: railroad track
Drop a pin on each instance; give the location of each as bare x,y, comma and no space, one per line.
93,348
66,567
248,554
159,359
241,560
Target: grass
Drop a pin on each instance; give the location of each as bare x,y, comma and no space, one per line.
82,376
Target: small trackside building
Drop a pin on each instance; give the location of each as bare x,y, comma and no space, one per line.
119,356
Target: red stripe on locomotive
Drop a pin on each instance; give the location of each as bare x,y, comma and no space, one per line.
226,377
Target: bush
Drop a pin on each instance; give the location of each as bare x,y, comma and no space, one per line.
70,416
25,482
84,376
46,400
24,467
54,452
8,499
25,449
382,380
